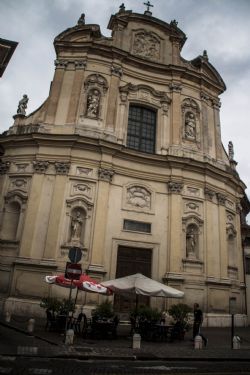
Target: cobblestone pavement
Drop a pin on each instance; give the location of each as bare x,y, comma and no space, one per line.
51,344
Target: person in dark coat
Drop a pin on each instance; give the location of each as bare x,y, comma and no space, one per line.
198,319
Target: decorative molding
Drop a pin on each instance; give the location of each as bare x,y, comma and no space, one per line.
116,70
139,197
18,183
209,194
175,87
96,80
105,174
80,188
61,64
221,198
130,88
16,196
21,167
175,187
4,167
62,167
40,166
83,171
80,64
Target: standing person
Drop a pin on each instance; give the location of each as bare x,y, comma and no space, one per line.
198,319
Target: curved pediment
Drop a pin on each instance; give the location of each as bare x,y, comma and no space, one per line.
208,70
79,33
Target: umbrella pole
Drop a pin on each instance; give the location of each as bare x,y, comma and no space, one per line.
76,298
67,313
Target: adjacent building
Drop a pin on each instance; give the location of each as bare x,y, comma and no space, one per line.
125,161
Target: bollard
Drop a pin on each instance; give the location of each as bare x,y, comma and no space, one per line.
198,342
236,342
136,341
31,325
7,316
69,339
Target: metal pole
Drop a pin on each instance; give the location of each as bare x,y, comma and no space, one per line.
232,330
67,313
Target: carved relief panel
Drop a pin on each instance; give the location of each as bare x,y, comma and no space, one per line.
81,188
146,45
138,198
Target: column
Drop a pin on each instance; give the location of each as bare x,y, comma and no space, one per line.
116,73
221,199
217,129
55,91
100,222
76,91
57,206
175,227
176,88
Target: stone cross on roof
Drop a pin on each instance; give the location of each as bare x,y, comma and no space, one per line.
148,5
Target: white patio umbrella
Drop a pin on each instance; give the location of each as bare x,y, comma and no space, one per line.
140,284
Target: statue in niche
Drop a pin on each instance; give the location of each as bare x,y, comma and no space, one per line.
76,226
190,126
22,105
191,242
93,103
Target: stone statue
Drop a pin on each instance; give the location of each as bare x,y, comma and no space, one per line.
122,8
191,242
76,226
81,20
190,126
93,103
231,150
22,105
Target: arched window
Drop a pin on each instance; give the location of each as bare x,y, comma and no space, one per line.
141,132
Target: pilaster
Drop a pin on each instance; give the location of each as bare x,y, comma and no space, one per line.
97,257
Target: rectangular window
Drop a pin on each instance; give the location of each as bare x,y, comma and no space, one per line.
247,265
137,226
141,129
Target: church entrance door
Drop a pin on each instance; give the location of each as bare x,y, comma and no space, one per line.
131,260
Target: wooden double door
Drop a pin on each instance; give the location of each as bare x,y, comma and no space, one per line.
131,260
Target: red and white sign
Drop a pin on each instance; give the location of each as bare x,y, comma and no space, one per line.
73,271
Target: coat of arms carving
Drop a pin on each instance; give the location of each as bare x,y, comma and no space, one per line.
146,45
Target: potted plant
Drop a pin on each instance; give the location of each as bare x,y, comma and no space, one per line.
180,313
104,311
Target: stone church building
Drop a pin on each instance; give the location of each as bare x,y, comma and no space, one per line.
124,160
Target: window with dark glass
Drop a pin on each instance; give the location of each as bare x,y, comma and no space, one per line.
137,226
247,264
141,129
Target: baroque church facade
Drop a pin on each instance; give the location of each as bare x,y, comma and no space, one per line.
124,160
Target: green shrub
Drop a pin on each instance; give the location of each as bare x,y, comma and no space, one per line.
56,305
104,310
180,313
151,314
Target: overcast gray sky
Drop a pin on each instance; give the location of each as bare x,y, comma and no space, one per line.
221,27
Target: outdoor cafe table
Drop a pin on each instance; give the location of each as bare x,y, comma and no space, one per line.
103,329
155,331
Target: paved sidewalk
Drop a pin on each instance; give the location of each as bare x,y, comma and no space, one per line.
51,344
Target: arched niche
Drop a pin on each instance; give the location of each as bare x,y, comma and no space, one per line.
77,223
